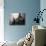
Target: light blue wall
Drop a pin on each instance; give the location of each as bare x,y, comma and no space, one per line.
14,33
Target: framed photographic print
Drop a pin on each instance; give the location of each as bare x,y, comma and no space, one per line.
17,19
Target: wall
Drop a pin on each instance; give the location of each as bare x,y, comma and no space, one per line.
1,21
43,6
30,7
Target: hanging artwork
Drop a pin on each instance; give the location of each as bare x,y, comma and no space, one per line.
17,19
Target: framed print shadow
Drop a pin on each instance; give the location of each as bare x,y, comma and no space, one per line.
17,19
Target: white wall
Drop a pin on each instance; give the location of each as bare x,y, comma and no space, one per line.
1,21
43,6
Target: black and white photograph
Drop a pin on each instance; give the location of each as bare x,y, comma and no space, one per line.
17,19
